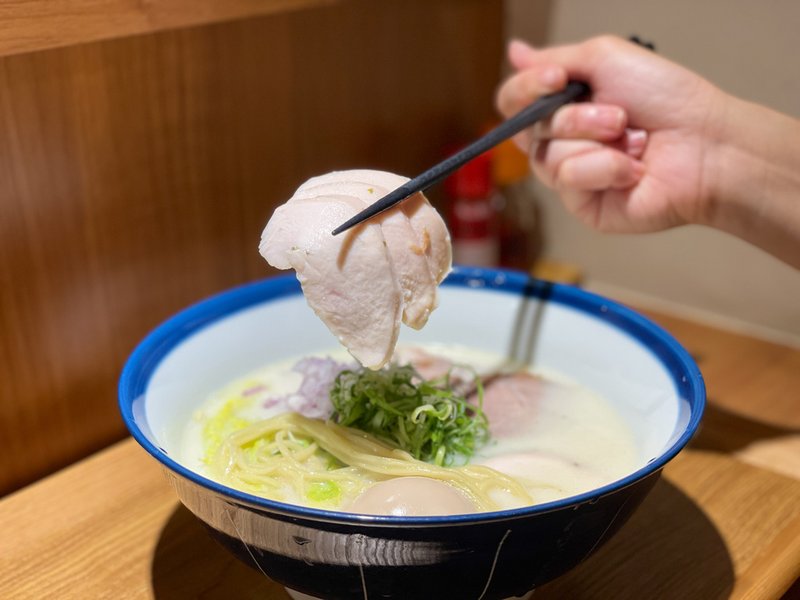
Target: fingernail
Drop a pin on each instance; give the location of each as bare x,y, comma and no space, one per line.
631,175
607,117
551,76
637,139
637,170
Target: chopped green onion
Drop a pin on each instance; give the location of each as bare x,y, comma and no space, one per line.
427,419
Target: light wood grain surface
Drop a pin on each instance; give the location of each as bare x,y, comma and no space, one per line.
111,527
754,391
136,176
715,527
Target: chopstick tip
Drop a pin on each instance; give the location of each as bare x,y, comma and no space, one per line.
343,227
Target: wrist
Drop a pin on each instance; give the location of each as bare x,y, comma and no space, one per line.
731,165
752,175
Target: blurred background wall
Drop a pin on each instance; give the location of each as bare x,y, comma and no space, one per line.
143,145
749,49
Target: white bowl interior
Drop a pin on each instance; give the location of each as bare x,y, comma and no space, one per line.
547,335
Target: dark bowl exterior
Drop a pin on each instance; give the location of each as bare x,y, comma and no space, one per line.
491,559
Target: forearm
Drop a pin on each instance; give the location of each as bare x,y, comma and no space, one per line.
754,179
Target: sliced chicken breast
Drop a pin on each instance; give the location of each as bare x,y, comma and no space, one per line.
361,283
348,280
410,263
432,235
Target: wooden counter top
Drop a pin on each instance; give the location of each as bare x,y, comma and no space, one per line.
718,525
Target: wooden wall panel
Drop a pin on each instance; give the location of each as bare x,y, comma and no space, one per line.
136,175
31,25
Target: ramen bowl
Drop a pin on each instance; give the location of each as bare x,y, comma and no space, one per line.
651,381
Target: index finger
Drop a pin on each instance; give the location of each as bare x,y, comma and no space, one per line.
526,86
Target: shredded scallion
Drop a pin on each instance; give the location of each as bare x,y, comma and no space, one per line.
427,419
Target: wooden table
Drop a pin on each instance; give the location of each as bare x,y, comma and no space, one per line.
723,522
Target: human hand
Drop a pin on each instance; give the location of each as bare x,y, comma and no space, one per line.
634,159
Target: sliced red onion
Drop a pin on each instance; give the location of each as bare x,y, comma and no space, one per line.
312,398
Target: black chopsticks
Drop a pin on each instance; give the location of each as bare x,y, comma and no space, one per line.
540,109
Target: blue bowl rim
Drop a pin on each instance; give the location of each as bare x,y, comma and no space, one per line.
145,358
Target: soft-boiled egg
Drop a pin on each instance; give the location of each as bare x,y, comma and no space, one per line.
412,497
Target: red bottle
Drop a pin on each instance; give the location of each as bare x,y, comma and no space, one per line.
472,215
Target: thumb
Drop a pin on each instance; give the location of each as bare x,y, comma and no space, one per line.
521,55
579,60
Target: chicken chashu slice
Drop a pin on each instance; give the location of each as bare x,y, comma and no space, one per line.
409,249
416,241
348,280
431,230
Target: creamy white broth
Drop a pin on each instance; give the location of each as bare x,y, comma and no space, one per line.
573,443
573,440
